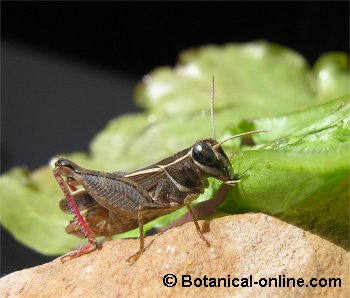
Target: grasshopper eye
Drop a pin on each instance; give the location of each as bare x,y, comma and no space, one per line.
203,154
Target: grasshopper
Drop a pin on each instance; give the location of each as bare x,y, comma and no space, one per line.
117,202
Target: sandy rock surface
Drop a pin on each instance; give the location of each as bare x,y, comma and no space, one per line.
255,245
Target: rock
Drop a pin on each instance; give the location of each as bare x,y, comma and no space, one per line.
255,245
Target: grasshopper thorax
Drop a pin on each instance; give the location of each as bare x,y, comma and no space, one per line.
211,159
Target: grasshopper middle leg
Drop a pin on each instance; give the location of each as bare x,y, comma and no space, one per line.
142,210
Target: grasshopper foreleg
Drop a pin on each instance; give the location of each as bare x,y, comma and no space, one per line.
187,203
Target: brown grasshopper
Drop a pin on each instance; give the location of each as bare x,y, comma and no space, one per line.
118,202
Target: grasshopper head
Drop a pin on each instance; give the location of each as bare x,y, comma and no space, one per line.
211,159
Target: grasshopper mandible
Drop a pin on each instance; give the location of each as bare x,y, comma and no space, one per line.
118,202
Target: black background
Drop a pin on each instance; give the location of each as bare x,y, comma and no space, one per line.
67,68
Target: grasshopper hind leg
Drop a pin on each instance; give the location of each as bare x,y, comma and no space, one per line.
92,245
83,250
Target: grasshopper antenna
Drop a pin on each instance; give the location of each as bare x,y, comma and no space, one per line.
212,107
240,135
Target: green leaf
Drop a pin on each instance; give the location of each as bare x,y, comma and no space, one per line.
29,211
303,164
331,74
254,79
251,80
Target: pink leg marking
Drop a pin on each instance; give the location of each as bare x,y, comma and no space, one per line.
92,245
